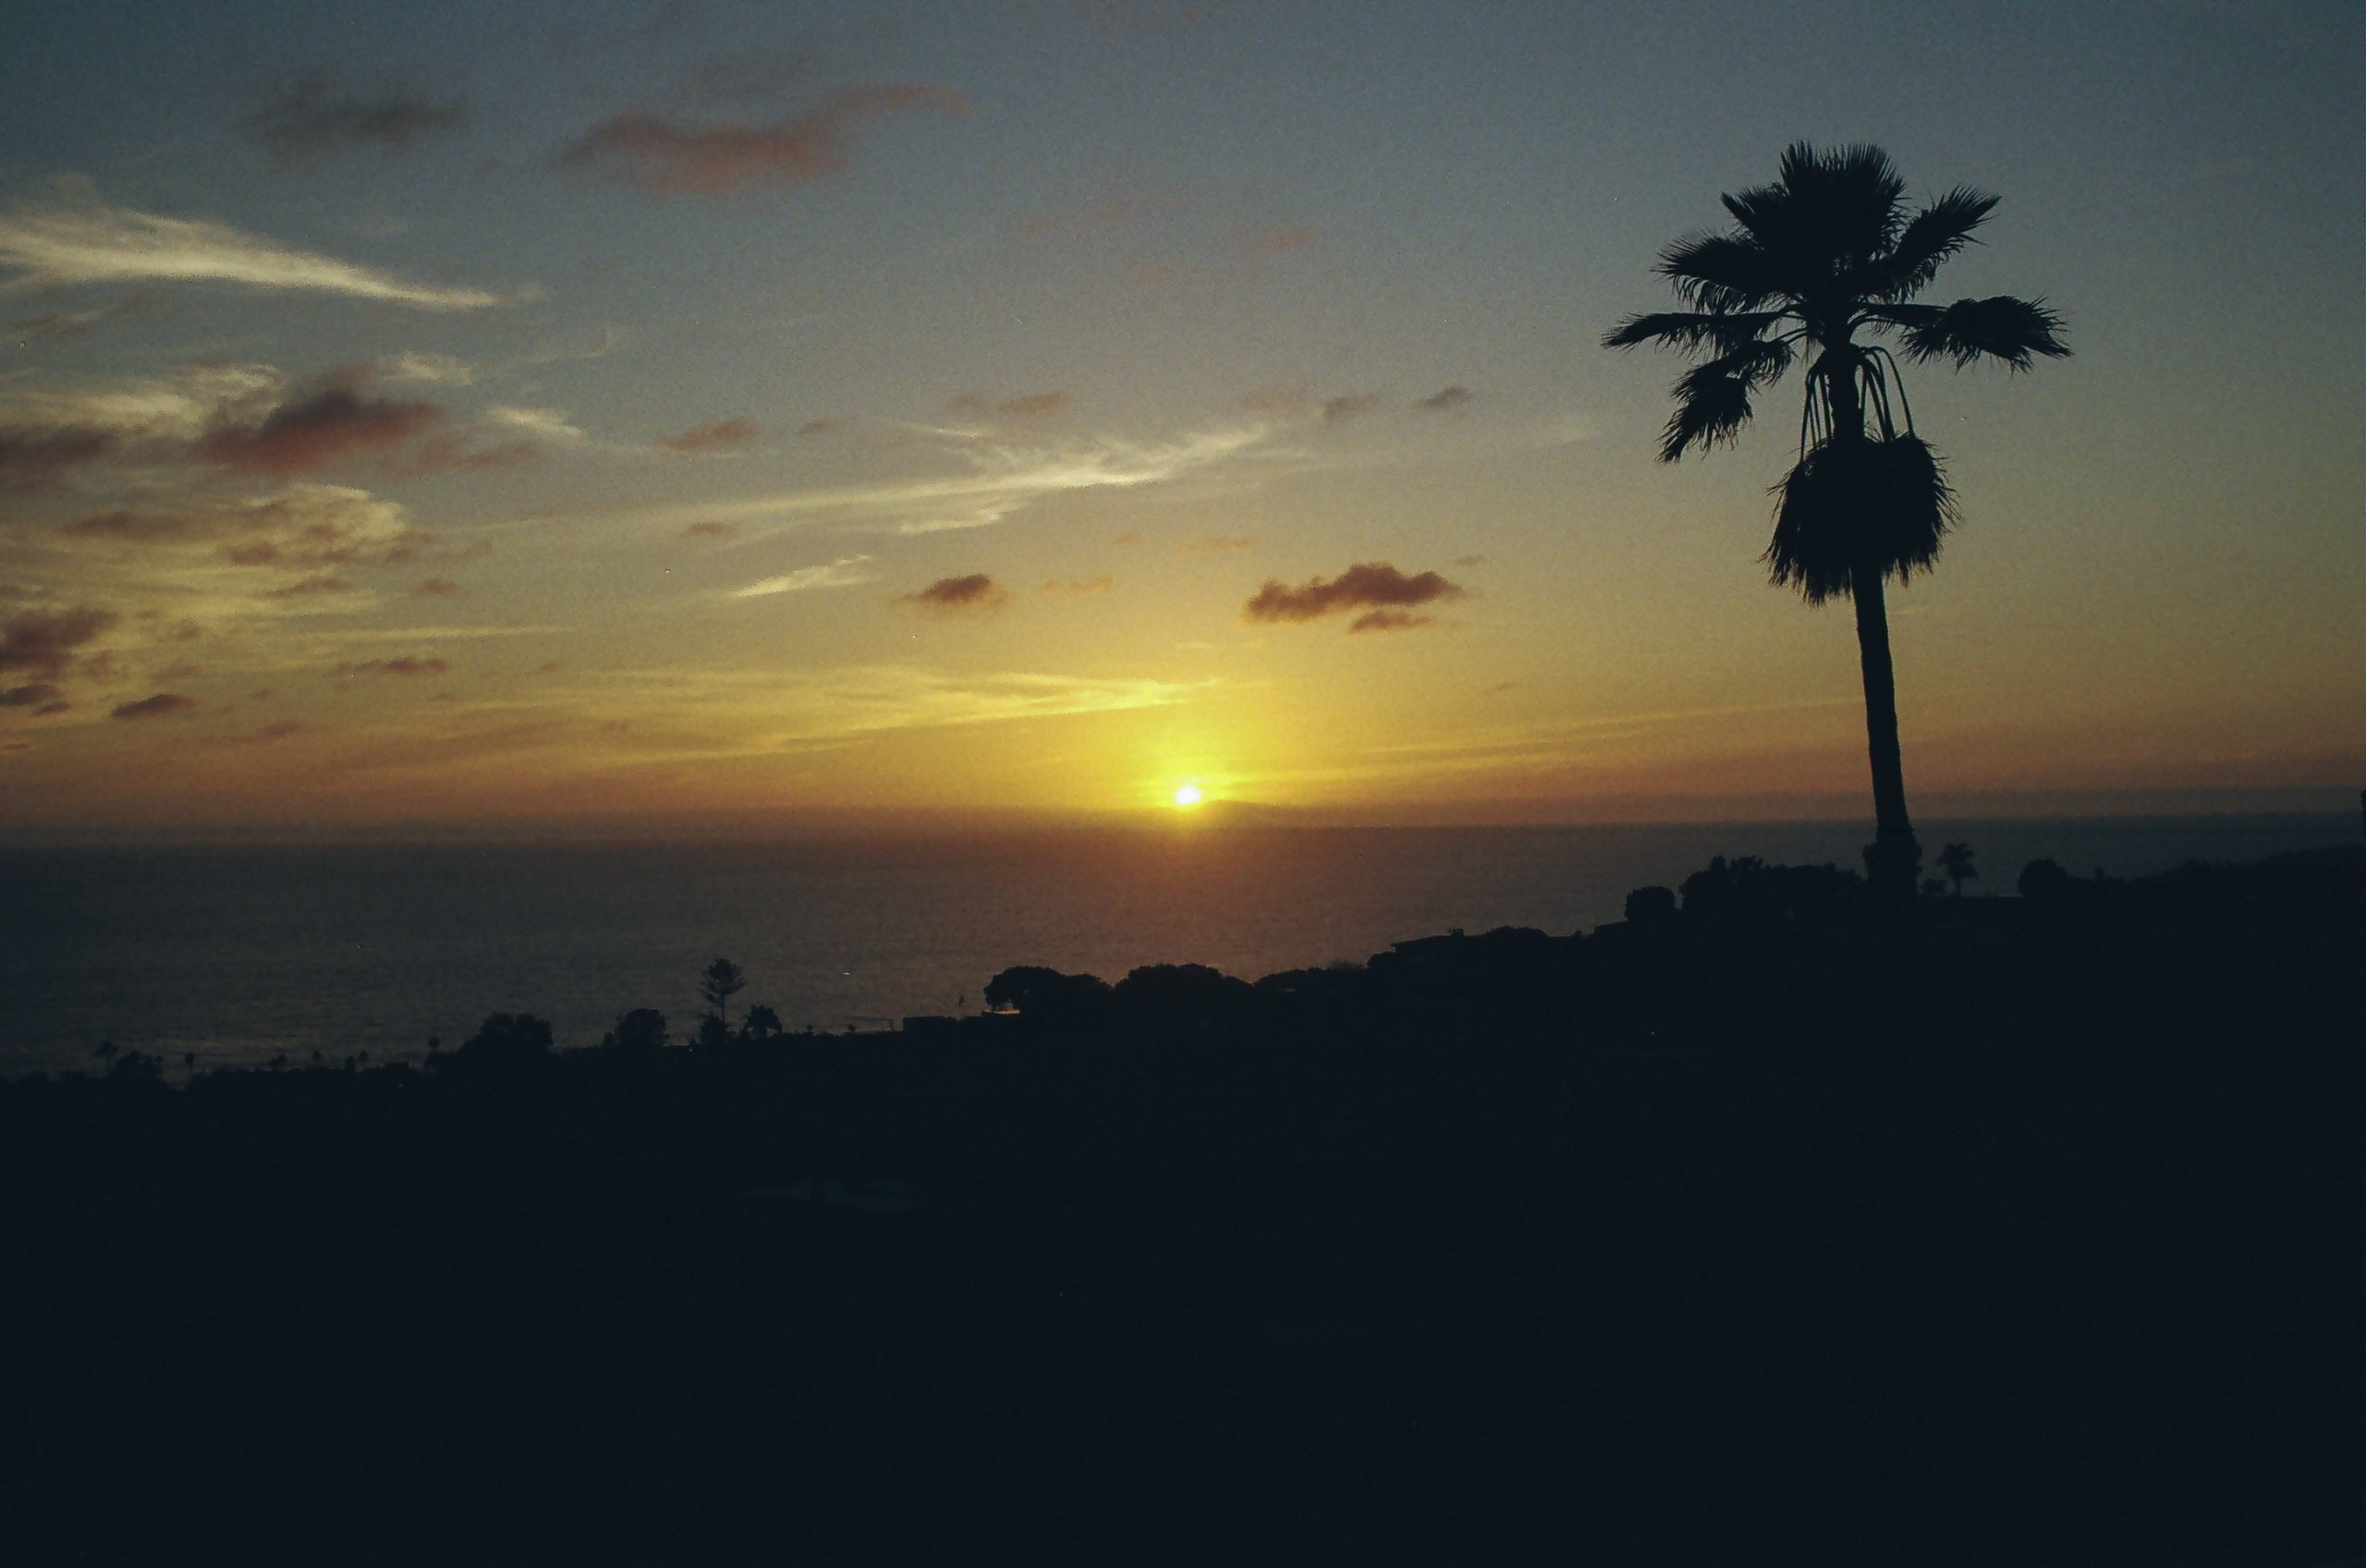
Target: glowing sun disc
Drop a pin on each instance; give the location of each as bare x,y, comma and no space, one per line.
1186,796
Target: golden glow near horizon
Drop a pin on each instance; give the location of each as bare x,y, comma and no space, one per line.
1186,796
1039,440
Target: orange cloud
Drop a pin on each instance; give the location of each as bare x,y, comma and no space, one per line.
723,435
1375,587
974,594
668,158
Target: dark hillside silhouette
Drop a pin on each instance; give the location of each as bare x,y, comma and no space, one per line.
1825,254
1759,1228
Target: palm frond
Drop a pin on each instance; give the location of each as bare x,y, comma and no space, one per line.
1929,238
1852,506
1843,202
1692,330
1712,400
2000,327
1721,273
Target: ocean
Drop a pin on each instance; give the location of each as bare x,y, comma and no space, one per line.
238,954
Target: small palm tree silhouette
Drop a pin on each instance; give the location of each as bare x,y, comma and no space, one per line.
1956,861
1826,252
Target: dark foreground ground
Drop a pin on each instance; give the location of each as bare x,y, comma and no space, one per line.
2027,1232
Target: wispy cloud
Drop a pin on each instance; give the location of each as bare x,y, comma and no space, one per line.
550,423
844,572
82,239
1446,399
426,368
74,324
1077,588
315,113
669,157
1348,406
303,528
1003,477
835,706
1385,595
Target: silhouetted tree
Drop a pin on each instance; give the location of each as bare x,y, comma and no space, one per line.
1651,905
2043,881
1824,253
1956,861
639,1032
1049,998
762,1023
718,984
506,1041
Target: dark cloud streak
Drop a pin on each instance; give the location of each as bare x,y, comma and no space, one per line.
316,113
1375,587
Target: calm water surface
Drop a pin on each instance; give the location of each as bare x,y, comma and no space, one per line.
241,954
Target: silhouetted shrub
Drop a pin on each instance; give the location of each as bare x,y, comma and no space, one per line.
1050,998
2043,881
1181,991
507,1039
640,1032
1651,905
1747,888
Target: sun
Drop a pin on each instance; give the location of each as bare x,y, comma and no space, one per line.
1185,796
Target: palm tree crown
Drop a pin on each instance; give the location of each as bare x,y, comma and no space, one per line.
1825,254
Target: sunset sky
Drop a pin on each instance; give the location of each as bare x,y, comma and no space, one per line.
634,414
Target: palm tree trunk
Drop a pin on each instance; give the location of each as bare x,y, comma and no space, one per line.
1894,860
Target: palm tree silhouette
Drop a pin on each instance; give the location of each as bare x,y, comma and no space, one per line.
1824,253
1956,861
